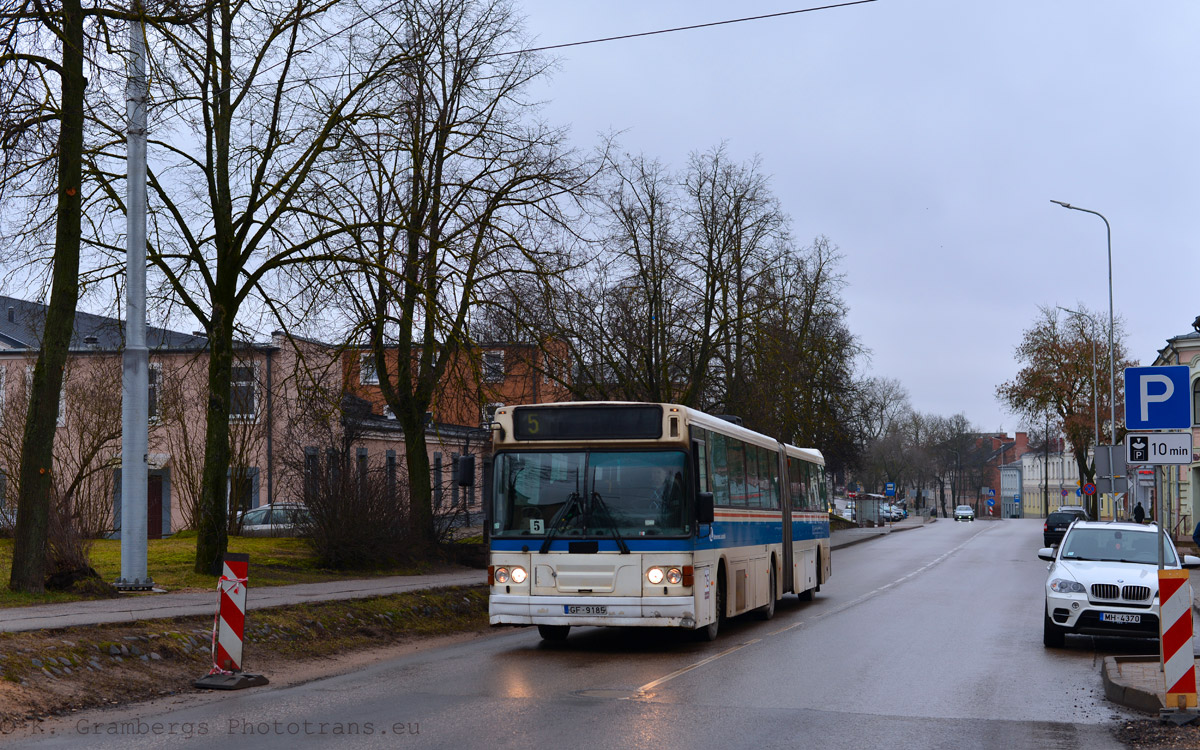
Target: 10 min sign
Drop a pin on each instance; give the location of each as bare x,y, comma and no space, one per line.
1158,448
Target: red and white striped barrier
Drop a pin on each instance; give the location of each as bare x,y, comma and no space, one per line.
1175,629
229,627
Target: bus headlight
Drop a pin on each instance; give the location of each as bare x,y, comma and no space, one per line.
518,575
502,575
674,576
654,576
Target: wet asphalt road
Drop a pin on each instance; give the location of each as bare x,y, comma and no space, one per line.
929,638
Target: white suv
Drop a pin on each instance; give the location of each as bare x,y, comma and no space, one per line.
1103,580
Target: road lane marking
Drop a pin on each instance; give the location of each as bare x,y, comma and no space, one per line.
640,692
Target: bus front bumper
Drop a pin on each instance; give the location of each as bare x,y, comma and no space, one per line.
637,611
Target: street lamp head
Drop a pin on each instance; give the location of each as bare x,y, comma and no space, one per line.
1064,204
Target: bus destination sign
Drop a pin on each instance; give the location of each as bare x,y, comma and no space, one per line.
637,422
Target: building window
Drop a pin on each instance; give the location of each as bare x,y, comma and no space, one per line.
1195,399
489,413
493,366
153,387
312,474
242,393
366,369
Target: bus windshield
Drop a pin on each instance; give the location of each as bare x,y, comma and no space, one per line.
590,493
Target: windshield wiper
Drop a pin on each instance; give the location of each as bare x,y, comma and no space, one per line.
612,522
572,499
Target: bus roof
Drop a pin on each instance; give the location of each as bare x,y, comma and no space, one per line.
701,419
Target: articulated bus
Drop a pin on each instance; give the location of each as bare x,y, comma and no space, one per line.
635,514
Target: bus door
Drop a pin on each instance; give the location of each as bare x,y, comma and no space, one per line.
785,502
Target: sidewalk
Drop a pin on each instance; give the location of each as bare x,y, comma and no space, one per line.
134,607
846,537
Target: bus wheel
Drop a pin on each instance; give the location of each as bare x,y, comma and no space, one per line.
709,632
767,611
554,632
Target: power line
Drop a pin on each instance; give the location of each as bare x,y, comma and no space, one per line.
684,28
548,48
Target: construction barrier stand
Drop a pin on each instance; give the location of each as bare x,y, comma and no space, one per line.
1175,628
229,627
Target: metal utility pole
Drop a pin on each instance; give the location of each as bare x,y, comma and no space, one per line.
1112,353
135,363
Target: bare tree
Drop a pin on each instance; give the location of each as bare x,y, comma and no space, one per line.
248,110
438,202
34,36
1057,377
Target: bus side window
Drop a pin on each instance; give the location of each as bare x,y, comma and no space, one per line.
718,455
799,501
773,480
701,451
735,460
753,491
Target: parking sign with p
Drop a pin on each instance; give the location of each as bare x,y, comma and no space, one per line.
1158,398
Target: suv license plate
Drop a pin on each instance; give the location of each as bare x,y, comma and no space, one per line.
586,609
1120,618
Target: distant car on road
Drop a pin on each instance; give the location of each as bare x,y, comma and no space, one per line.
1057,524
274,519
964,513
1103,580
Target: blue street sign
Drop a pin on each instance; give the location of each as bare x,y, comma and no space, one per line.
991,491
1158,398
1077,492
889,489
1016,498
991,501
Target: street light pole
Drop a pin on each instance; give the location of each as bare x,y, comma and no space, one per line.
1112,353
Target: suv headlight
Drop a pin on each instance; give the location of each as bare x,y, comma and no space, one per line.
1064,586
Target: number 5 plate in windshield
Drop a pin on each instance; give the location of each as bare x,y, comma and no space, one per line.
585,609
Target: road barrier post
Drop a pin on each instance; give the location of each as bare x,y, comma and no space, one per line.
229,627
1175,629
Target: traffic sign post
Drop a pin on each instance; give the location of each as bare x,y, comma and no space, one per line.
889,489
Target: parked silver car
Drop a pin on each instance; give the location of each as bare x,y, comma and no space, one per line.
964,513
274,519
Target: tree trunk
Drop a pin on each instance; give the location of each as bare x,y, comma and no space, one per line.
37,448
420,502
212,538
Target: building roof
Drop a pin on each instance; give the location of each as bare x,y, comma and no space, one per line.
21,324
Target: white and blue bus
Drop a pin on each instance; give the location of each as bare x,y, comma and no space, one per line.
615,514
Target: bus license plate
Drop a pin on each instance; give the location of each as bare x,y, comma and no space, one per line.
585,609
1123,619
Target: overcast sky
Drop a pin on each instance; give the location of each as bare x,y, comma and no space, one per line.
926,139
